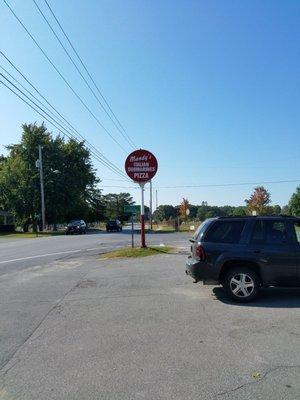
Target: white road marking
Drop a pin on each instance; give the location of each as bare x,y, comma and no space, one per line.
65,252
41,255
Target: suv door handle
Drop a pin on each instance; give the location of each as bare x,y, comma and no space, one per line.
256,251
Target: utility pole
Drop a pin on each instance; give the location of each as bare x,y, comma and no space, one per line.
40,166
156,198
151,205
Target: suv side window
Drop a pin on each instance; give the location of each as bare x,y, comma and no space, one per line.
258,234
270,232
276,232
225,232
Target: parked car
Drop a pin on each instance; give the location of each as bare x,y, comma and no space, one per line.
76,226
245,254
113,225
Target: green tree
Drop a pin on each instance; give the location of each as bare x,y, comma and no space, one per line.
201,212
210,214
114,205
273,210
285,210
193,212
294,203
239,211
164,212
69,178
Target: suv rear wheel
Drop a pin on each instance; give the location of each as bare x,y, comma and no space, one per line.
242,284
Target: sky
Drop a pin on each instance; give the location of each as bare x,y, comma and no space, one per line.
210,87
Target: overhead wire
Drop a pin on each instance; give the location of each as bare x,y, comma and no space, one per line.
213,185
109,166
129,141
87,71
62,76
70,126
106,162
56,124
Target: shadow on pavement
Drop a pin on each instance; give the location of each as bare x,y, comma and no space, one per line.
270,297
94,231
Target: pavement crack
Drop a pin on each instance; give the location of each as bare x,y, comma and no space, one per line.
263,377
118,296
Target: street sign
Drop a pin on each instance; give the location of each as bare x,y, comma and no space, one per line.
141,166
132,209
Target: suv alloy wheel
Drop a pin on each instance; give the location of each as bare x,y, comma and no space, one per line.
242,284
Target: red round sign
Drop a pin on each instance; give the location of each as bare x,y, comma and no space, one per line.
141,165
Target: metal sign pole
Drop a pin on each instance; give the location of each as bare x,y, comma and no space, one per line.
151,227
132,232
143,241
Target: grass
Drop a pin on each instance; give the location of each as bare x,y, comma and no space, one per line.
28,235
137,252
169,228
163,228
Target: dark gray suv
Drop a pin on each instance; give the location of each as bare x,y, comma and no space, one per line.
246,253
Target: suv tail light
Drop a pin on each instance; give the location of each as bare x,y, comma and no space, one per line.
200,253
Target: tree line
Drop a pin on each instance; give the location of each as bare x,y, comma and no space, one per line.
70,182
72,187
257,204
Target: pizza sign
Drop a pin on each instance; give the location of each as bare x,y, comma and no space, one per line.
141,166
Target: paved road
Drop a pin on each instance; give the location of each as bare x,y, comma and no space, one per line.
85,328
17,254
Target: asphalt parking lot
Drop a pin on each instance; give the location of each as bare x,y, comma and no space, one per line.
86,328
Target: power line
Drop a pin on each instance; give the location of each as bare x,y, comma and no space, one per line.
62,76
43,105
212,185
87,71
228,184
82,76
52,123
107,163
96,155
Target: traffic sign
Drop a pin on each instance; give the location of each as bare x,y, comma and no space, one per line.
141,166
132,209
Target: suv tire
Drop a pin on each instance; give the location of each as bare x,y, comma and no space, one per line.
241,284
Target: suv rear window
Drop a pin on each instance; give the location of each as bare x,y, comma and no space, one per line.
201,228
225,232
